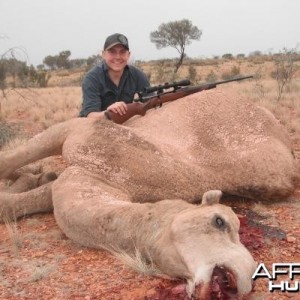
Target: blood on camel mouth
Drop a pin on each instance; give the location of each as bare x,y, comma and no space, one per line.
223,286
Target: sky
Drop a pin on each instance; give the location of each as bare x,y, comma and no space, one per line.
46,27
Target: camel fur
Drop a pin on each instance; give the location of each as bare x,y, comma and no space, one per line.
138,185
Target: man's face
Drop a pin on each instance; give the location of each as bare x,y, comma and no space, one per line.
116,57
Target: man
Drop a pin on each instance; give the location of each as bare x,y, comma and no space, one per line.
113,83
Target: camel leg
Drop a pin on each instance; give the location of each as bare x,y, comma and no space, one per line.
47,143
28,181
14,206
32,169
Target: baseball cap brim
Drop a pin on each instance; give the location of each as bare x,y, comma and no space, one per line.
114,44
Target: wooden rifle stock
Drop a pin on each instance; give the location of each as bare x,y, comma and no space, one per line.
140,108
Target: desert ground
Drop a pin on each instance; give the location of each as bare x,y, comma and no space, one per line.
37,261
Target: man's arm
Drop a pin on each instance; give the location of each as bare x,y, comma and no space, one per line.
119,107
96,115
91,101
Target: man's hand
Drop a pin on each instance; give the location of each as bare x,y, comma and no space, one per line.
118,108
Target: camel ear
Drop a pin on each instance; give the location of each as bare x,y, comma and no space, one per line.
211,197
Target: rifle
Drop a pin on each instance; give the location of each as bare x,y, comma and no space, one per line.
143,104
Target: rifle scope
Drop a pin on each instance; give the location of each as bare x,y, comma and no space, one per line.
167,85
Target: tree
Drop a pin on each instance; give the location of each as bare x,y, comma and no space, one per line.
63,59
255,53
3,74
77,63
60,61
91,61
9,65
50,61
176,34
285,68
227,56
240,55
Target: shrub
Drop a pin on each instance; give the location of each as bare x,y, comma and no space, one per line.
227,56
7,132
285,69
211,76
192,73
235,70
240,55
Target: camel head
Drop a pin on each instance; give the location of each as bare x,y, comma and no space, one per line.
203,244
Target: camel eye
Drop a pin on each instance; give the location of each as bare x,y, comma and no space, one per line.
219,222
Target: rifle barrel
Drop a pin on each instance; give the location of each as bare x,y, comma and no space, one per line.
232,79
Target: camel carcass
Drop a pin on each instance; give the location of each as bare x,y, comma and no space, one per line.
123,183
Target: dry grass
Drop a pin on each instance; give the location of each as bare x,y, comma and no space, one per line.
261,209
35,268
264,93
40,272
48,106
14,234
14,142
137,262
